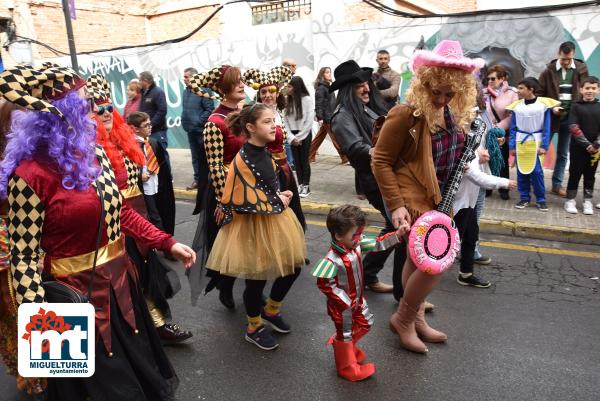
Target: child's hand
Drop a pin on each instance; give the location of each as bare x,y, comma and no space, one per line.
286,197
484,156
557,110
219,214
512,184
512,153
145,177
591,149
401,217
541,151
184,253
402,230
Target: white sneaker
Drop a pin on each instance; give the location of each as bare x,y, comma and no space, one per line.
570,206
305,191
300,189
597,205
588,208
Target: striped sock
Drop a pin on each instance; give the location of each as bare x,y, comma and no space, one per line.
272,308
254,323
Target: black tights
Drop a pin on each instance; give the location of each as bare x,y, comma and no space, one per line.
254,290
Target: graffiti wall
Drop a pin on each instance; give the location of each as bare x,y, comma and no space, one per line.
524,43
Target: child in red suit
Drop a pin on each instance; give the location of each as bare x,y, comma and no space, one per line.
340,277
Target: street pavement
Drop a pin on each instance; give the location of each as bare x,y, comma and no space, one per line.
532,336
332,183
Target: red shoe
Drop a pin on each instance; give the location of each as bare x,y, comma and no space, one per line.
359,354
346,364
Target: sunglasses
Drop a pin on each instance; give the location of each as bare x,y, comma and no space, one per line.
102,109
491,79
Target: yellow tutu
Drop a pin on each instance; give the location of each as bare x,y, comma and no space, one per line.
259,247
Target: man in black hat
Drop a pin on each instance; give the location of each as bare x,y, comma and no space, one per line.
359,104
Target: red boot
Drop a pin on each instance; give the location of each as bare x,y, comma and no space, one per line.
346,364
359,353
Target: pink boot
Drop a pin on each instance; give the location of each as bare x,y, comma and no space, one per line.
425,332
402,322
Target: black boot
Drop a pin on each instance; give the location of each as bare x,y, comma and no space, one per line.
225,288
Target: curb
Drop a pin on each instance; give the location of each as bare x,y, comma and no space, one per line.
490,226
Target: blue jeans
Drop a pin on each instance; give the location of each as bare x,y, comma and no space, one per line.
562,153
290,156
534,179
196,141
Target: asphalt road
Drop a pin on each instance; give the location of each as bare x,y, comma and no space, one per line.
534,335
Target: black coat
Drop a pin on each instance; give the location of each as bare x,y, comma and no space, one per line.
355,142
324,102
154,103
165,200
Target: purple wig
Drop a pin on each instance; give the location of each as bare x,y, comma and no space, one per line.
68,142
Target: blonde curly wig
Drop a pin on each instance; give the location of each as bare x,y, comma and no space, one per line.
462,83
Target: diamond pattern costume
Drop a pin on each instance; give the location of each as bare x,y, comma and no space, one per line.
31,88
275,79
38,205
44,216
99,88
209,79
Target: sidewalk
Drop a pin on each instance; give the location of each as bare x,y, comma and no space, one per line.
333,183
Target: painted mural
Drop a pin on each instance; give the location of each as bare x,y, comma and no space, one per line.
524,43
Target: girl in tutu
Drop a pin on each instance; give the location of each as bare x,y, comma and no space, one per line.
261,238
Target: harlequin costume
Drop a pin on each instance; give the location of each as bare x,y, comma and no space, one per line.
127,158
221,146
130,361
340,277
530,131
8,304
268,241
276,79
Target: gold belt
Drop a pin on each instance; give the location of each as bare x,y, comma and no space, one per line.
131,192
79,263
279,155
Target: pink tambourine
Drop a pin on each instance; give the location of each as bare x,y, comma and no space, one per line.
433,242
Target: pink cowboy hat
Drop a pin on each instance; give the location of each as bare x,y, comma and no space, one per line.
447,53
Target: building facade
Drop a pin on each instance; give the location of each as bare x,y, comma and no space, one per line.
314,33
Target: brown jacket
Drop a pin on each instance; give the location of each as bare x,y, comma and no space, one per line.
549,84
403,163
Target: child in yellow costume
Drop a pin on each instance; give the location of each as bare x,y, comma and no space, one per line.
529,140
261,238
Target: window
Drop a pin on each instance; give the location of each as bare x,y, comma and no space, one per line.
280,11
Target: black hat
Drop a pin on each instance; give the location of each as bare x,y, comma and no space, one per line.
349,72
